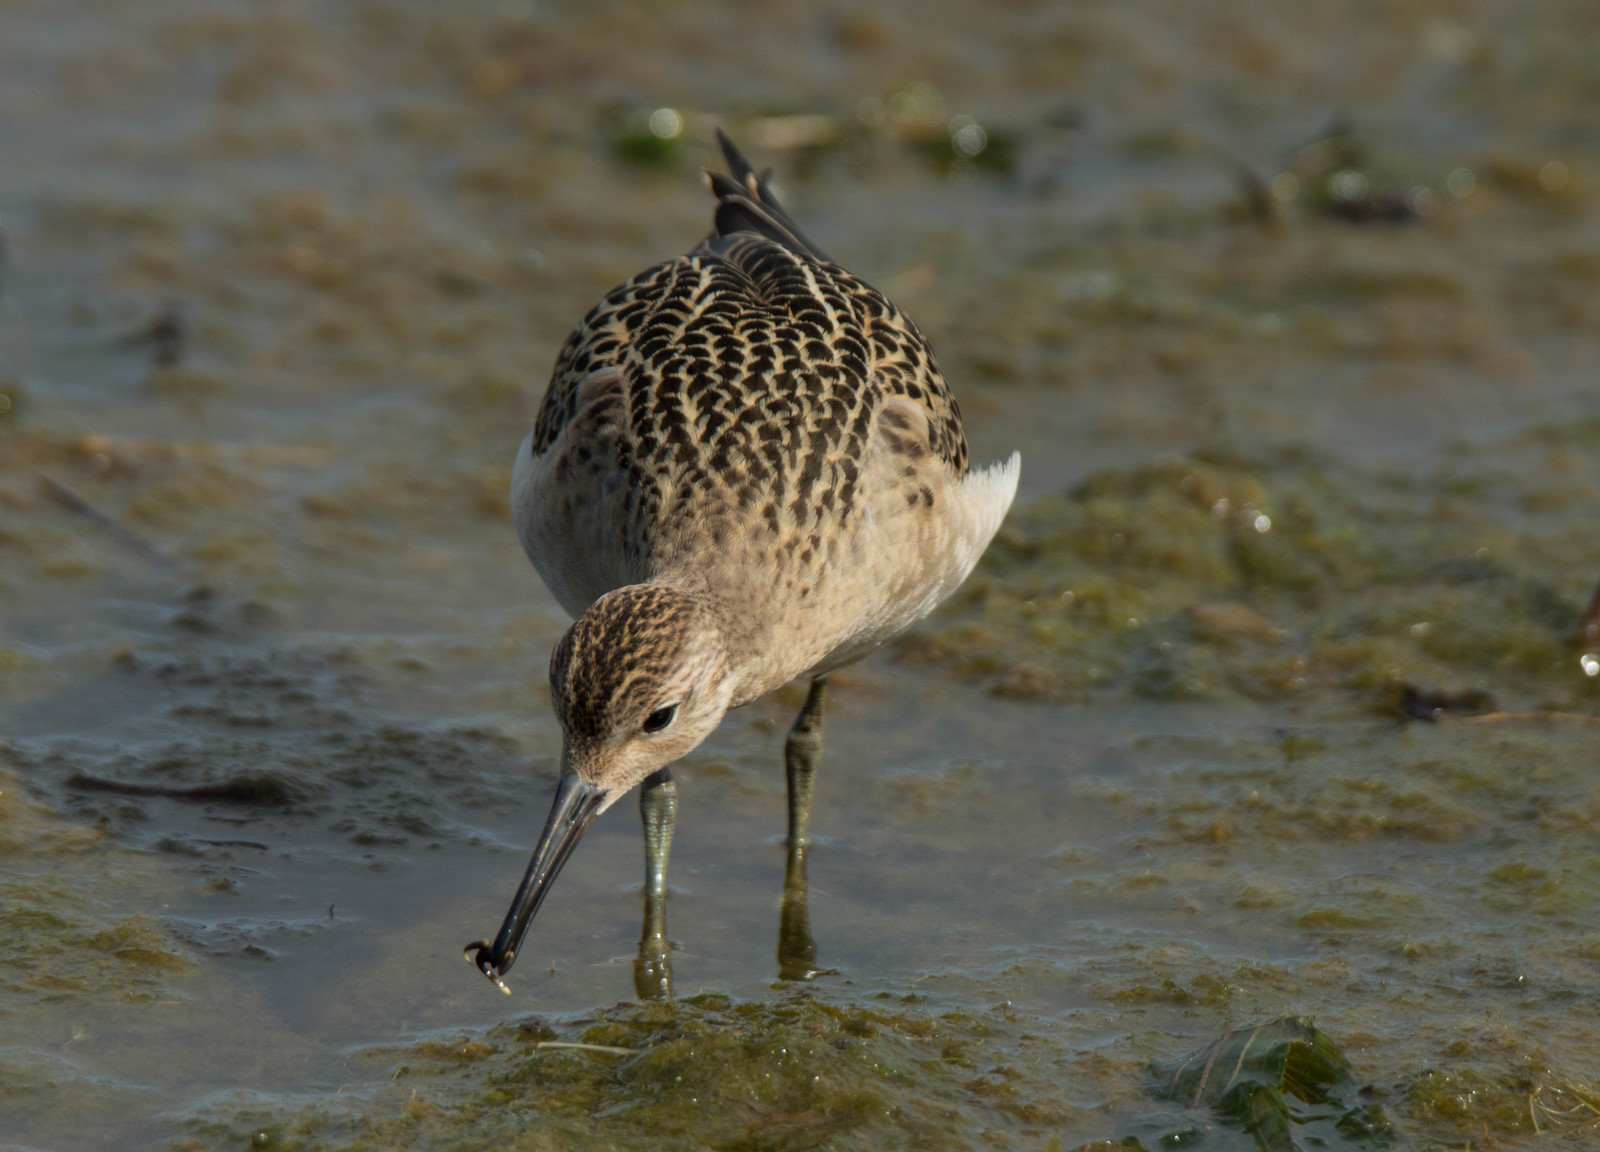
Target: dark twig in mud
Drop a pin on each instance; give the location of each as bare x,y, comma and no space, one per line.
1430,704
257,790
1257,192
1385,206
256,844
1474,706
167,335
129,539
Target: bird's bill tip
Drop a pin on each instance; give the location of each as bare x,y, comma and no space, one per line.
474,954
576,805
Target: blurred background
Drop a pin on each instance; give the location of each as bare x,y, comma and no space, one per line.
1277,695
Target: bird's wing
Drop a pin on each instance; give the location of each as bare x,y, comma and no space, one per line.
753,349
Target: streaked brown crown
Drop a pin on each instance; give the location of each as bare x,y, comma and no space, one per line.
624,658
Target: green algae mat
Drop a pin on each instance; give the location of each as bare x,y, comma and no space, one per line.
1293,579
801,1074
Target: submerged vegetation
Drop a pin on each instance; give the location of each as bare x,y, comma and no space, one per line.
1282,1083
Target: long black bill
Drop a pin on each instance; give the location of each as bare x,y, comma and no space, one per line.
576,805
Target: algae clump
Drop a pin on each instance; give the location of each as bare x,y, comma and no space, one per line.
1280,577
703,1072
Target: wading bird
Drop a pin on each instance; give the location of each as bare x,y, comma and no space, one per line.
747,469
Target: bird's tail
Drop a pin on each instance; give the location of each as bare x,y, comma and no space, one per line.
746,204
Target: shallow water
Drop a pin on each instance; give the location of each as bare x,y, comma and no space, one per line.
1053,845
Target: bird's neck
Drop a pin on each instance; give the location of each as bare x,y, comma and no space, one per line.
757,659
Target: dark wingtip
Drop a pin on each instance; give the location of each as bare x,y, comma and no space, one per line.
737,164
745,203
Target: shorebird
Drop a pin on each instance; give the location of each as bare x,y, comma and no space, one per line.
747,468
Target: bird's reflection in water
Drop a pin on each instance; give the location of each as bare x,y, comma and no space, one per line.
797,950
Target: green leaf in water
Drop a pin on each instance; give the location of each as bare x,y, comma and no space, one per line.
1282,1083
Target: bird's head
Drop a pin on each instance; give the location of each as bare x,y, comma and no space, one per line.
638,681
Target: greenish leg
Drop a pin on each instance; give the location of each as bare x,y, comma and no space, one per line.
658,807
802,753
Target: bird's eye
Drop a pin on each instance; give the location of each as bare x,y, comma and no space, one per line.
660,718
